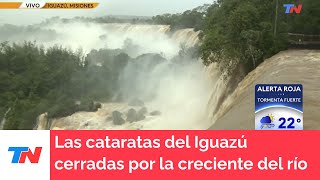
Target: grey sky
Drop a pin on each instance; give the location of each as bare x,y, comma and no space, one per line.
106,7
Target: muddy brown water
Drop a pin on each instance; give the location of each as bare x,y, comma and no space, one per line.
291,66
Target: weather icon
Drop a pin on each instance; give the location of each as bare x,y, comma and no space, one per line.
267,121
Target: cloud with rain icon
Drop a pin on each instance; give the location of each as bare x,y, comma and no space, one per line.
267,120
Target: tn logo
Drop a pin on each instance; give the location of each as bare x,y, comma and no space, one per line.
21,153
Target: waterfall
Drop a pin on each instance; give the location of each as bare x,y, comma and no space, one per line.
186,36
42,123
192,97
4,119
187,96
149,38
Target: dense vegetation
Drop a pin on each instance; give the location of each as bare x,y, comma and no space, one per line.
308,22
194,18
245,32
241,34
35,80
248,31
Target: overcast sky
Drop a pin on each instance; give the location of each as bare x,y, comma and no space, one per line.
106,7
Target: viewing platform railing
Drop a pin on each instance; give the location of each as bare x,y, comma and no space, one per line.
304,41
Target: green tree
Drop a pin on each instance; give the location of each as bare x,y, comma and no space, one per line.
239,32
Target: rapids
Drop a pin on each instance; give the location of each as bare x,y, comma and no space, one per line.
181,95
287,67
195,97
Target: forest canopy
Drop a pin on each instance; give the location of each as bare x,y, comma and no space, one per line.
245,32
248,31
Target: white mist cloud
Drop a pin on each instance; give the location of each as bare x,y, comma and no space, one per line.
150,39
181,91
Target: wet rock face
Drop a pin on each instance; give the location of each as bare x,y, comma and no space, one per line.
98,106
141,117
93,107
141,113
132,115
117,119
143,110
155,113
42,121
136,102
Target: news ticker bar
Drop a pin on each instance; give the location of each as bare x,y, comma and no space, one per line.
100,155
48,5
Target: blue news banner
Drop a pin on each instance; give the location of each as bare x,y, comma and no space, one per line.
279,107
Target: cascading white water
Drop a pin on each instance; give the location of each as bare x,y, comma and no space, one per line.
149,38
182,98
189,97
186,36
4,119
182,93
193,97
